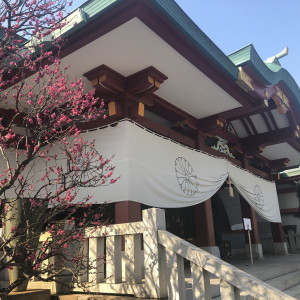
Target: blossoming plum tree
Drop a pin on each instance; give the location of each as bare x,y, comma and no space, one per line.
43,159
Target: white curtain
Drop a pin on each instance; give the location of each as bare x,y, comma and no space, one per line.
158,172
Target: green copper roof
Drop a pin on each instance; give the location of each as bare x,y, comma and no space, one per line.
95,7
273,67
269,73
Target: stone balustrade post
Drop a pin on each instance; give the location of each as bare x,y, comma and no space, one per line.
292,240
154,254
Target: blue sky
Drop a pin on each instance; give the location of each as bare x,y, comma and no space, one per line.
270,25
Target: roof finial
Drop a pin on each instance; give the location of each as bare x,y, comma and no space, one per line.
275,59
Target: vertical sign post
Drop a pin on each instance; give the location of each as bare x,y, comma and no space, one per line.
247,225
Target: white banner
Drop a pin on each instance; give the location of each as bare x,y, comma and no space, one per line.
162,173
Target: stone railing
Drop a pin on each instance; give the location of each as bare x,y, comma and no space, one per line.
158,271
162,273
293,240
126,272
232,280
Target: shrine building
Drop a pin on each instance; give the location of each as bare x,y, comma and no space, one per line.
202,134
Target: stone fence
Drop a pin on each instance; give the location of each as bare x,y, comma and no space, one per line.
293,240
158,270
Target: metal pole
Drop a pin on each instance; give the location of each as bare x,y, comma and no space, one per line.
250,248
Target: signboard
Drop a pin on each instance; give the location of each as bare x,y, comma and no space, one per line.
247,224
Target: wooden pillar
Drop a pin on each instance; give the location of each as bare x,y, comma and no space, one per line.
203,216
127,211
279,243
204,224
277,233
249,212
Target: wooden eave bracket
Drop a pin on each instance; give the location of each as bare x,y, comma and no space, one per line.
145,82
251,150
209,123
252,85
281,101
236,147
135,87
244,81
106,80
114,109
187,125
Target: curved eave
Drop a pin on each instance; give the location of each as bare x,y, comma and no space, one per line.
268,73
183,23
170,9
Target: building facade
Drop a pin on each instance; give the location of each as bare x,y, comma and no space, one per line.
235,116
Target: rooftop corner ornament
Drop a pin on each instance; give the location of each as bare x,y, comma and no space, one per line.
275,59
253,85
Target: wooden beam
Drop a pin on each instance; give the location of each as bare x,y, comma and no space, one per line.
167,110
165,131
137,110
295,143
279,163
269,113
98,123
289,210
232,139
285,179
246,127
269,138
252,125
145,100
287,190
210,123
263,115
251,150
187,125
242,112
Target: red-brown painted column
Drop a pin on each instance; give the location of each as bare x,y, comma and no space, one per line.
203,217
204,227
249,213
127,211
279,243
